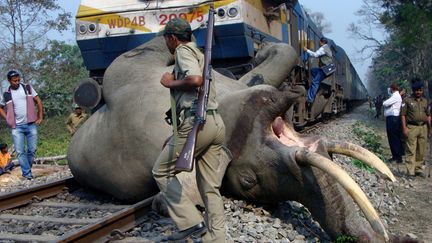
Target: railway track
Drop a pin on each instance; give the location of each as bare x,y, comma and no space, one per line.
312,127
51,213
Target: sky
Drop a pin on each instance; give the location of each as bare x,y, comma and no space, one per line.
340,13
68,36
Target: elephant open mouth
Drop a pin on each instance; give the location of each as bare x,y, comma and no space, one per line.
306,155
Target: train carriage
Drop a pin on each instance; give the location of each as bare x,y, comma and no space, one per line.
108,28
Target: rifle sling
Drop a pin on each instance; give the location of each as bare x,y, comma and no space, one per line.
174,116
188,112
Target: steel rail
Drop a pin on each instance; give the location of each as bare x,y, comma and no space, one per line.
102,230
112,225
26,196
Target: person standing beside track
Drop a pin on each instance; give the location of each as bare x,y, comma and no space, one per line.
20,100
370,102
184,83
416,127
378,106
392,108
75,119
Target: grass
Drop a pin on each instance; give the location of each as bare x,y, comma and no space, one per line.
357,163
371,141
345,239
53,137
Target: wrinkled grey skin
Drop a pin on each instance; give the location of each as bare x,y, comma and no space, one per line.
115,149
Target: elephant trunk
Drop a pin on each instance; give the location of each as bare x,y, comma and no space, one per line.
265,71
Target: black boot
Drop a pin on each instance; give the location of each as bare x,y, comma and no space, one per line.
195,231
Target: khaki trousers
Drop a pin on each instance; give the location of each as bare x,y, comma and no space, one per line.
209,175
415,148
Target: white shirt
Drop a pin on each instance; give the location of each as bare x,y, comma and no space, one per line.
19,103
392,105
318,53
323,50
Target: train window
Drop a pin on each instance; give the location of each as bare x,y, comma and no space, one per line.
312,39
302,33
294,30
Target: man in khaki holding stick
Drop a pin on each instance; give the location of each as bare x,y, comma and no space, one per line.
184,83
416,127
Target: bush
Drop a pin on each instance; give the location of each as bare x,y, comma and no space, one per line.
53,137
371,141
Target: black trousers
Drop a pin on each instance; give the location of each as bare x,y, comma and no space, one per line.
394,135
378,111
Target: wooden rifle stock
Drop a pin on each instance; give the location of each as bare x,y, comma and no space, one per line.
186,158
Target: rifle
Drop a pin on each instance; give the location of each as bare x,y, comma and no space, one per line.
186,158
430,157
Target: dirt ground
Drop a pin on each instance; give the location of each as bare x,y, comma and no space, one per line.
39,171
416,216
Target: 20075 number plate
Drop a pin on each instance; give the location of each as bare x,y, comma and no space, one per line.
195,15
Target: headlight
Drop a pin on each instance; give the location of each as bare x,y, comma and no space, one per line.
221,13
92,28
232,12
82,29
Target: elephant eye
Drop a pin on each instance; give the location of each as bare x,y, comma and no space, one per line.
248,180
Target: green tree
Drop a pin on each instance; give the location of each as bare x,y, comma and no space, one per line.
410,22
404,52
60,69
23,28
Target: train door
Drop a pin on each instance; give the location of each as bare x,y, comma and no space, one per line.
294,26
298,40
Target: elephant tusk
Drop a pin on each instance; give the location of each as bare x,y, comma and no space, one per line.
310,158
362,154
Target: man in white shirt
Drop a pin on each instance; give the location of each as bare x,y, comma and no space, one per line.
18,107
392,107
325,57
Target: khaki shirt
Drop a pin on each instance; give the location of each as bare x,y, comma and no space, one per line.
415,110
189,60
74,121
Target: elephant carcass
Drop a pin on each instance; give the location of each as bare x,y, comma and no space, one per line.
116,147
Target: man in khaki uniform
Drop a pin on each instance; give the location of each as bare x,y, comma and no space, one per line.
184,83
416,124
75,120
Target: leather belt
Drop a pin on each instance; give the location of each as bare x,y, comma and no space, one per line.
416,123
188,113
